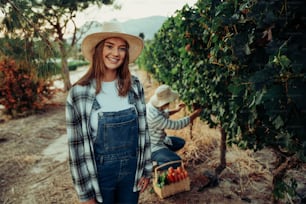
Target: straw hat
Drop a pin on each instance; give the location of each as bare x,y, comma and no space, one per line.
112,29
163,95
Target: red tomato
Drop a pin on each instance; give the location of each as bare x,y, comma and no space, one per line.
170,169
179,169
170,178
175,178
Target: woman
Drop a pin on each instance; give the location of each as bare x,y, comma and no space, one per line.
164,147
109,146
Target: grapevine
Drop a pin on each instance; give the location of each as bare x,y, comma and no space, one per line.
244,61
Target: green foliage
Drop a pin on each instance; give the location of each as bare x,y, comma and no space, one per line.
48,68
243,62
162,179
43,19
37,53
143,61
73,65
283,187
52,67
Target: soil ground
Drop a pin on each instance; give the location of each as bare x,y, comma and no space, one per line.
34,167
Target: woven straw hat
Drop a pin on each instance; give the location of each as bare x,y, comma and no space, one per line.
109,30
163,95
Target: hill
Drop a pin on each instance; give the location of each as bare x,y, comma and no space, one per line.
148,26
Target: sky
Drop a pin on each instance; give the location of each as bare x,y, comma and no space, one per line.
132,9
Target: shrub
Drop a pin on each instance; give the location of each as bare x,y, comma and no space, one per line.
48,68
21,92
73,65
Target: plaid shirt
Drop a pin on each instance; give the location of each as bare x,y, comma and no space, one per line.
79,106
159,121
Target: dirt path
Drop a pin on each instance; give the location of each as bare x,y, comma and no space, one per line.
34,168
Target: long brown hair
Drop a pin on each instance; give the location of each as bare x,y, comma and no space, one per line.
97,70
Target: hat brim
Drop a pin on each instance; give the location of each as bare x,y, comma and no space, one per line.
89,43
159,103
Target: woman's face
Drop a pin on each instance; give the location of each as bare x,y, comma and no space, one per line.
166,106
114,52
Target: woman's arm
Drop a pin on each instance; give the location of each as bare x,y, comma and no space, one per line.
195,114
77,161
177,109
92,201
143,183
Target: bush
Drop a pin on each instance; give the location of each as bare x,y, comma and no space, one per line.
21,92
73,65
48,68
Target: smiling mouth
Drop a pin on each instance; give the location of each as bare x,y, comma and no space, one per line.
113,60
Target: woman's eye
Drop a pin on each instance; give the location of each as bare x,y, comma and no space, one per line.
109,46
123,49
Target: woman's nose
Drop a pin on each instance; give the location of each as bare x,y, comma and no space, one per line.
115,51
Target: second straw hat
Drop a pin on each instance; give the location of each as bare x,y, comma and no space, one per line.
163,95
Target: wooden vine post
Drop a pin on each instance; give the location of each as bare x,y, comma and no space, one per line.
222,164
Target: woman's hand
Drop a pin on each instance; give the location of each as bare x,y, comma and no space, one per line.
195,114
143,184
180,106
92,201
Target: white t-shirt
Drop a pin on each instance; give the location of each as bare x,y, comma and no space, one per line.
109,101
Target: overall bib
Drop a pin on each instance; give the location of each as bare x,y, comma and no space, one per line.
115,149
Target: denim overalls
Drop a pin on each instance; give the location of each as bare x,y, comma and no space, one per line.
116,155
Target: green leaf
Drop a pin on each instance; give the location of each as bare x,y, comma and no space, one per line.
278,122
284,61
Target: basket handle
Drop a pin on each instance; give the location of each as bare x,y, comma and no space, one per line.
168,163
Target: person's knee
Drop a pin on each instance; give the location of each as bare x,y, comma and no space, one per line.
177,144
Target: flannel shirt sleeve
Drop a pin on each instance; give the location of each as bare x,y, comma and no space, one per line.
77,159
147,146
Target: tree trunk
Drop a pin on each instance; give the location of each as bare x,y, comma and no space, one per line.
65,69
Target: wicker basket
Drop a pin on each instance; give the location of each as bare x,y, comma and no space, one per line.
172,188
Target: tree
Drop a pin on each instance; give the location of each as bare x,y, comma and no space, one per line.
142,35
46,20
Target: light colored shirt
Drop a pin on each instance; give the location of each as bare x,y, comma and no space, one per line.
79,107
158,121
109,101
